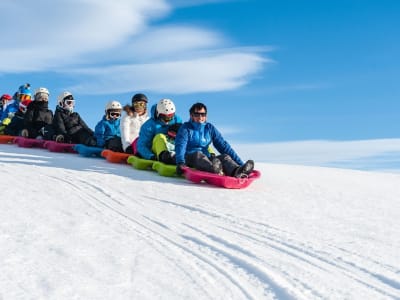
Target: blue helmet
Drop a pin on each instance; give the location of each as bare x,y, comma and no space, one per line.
25,89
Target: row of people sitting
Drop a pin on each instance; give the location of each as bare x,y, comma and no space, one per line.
154,135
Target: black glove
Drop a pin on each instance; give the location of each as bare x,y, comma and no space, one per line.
129,150
179,168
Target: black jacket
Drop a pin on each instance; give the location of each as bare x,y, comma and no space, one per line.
37,116
67,123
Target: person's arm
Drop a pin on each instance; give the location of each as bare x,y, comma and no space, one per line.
145,140
181,141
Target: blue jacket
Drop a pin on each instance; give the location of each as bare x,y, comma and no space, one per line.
106,129
193,137
151,128
12,107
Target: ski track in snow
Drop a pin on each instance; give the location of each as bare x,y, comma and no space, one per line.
210,239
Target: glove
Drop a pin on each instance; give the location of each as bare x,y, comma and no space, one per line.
179,168
11,115
129,150
25,133
60,138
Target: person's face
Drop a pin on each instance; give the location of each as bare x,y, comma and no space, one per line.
139,106
199,116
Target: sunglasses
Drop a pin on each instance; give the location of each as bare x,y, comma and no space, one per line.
199,114
166,118
139,104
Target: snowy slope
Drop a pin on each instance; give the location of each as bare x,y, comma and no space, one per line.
82,228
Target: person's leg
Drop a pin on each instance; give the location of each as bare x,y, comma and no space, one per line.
160,148
231,168
200,161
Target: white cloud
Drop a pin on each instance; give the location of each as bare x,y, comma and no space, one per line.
213,73
56,33
110,48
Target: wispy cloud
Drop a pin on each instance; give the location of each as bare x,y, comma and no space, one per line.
109,47
213,73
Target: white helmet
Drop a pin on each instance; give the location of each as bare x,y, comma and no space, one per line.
165,107
61,97
114,105
42,91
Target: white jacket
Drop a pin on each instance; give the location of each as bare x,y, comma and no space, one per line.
130,126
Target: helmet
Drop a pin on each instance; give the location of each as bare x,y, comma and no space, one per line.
62,96
6,97
25,89
165,107
23,105
42,92
139,97
113,105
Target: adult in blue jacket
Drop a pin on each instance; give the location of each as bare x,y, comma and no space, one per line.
192,147
151,143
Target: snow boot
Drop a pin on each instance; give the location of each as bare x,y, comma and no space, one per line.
244,170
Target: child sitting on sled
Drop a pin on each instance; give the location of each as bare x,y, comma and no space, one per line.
107,130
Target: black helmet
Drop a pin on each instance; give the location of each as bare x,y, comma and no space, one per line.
139,97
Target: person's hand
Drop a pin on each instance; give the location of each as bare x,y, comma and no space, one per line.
25,133
60,138
129,150
179,168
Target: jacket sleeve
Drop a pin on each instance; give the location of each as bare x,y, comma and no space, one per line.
99,133
58,124
125,132
145,141
223,146
181,141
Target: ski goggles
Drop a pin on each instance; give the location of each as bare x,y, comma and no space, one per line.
69,100
23,97
166,118
139,104
115,114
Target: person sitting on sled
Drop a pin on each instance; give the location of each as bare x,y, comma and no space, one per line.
107,130
152,141
4,100
133,120
192,147
17,122
11,104
38,117
68,125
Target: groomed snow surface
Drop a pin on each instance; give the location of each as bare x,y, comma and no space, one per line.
83,228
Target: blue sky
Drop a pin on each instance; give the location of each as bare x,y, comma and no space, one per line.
269,71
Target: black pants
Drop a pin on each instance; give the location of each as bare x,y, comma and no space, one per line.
200,161
114,144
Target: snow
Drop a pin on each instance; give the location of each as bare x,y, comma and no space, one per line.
83,228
